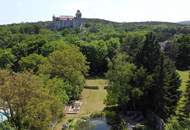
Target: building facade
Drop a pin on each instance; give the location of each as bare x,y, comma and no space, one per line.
67,21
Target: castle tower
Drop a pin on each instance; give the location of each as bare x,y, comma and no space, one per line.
53,18
78,14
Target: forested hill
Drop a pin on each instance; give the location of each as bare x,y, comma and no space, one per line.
144,23
98,24
116,24
185,22
95,34
49,67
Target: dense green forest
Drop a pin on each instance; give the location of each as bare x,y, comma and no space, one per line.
44,69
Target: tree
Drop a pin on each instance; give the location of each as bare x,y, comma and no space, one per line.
48,48
7,59
5,38
171,50
175,124
51,46
31,62
25,101
187,106
97,54
149,54
165,89
127,84
59,88
152,84
29,29
132,42
69,64
183,58
184,105
6,126
113,44
163,94
31,44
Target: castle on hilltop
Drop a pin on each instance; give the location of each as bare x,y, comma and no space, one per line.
66,21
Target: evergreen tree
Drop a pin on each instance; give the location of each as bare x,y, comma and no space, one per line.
183,58
165,88
163,94
187,106
149,54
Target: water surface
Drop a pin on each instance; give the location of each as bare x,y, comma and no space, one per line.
99,124
93,124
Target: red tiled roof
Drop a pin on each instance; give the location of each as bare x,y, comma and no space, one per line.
65,17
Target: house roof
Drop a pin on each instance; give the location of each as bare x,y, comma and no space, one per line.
65,17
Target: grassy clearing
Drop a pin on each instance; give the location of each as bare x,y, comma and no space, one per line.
92,100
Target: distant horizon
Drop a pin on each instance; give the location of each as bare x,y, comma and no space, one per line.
19,11
99,19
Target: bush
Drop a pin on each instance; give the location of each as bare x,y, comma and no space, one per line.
142,127
91,87
6,126
97,115
106,87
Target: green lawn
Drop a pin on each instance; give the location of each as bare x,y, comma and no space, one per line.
92,100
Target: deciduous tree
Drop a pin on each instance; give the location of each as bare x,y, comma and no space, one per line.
26,102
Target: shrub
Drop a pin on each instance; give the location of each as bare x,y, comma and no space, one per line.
91,87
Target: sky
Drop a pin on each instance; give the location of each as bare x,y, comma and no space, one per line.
16,11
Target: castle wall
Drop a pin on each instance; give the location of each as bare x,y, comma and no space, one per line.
63,23
77,23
